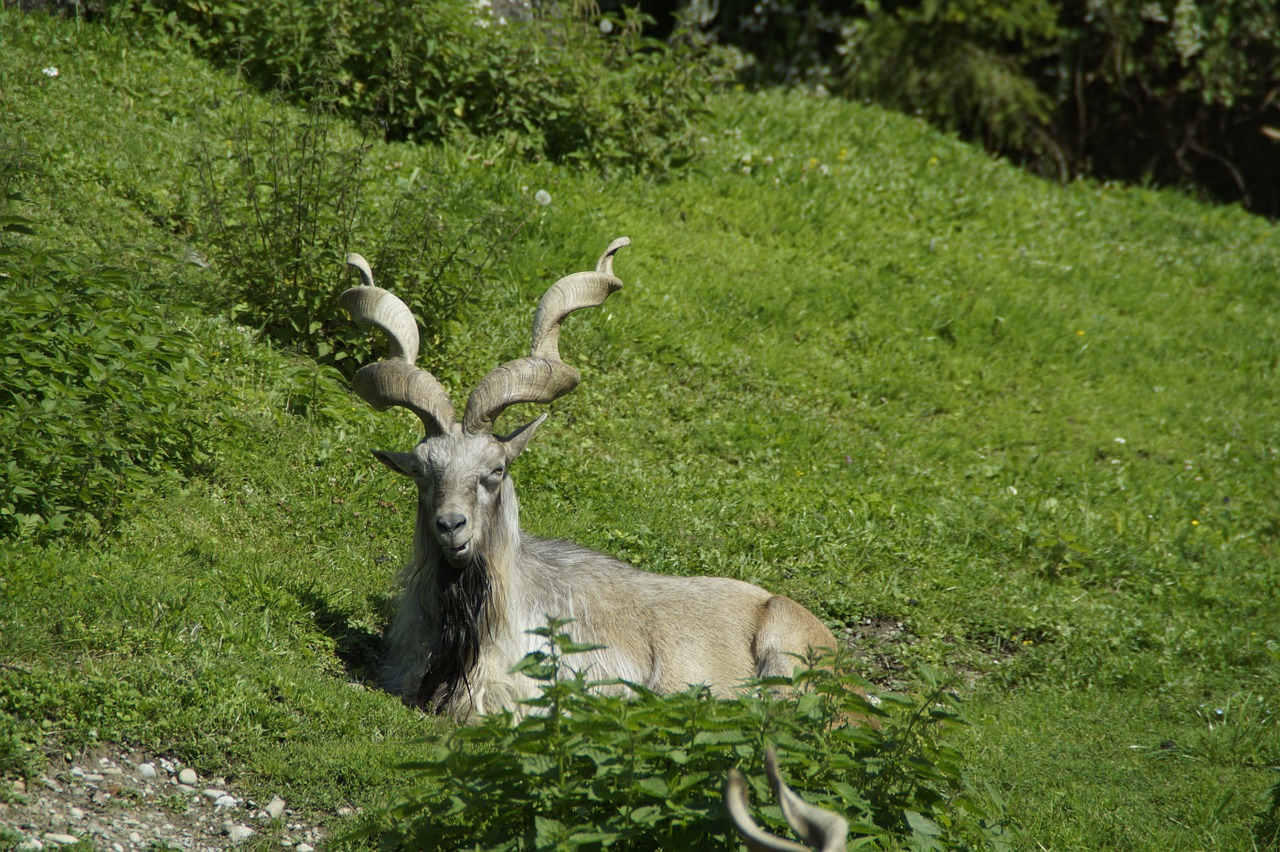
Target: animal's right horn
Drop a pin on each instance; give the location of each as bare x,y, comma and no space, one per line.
820,829
395,381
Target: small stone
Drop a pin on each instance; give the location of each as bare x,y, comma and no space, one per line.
135,838
345,811
77,814
147,771
61,839
188,776
77,772
93,778
116,847
112,772
304,847
240,833
213,794
19,786
275,808
226,802
29,845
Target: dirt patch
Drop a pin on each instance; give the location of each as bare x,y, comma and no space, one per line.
874,643
121,800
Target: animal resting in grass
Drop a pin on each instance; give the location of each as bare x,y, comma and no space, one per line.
476,583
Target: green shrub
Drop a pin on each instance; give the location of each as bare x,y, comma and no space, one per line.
560,81
284,200
585,770
102,397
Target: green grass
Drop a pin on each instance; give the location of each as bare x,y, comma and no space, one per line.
903,383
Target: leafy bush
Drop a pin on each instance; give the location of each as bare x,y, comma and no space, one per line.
558,81
587,770
102,398
1176,91
283,201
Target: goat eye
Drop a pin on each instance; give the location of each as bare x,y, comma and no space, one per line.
498,473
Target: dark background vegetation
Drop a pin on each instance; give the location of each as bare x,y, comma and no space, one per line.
1171,92
1168,92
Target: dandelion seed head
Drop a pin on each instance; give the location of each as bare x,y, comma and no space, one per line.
542,197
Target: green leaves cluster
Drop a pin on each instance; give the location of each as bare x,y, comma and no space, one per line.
591,764
558,81
103,397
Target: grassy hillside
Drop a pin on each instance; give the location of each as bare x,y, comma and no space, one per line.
1023,433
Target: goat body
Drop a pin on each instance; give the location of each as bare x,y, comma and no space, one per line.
477,584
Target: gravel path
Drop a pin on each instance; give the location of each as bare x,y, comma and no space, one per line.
121,801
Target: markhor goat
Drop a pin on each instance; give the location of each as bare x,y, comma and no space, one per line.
476,583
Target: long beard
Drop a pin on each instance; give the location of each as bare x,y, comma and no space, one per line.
463,593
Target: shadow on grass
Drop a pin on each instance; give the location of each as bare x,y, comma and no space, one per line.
359,647
1266,832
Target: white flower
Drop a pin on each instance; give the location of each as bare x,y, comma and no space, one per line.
542,197
51,71
606,26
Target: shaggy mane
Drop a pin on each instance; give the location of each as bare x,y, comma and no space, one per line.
463,593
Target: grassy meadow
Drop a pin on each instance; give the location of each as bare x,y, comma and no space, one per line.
1023,434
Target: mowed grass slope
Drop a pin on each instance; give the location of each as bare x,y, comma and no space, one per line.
1024,433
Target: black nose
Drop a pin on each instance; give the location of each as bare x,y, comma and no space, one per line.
450,522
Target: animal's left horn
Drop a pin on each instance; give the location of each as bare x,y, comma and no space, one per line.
542,376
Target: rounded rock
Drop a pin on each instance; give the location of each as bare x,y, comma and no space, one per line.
240,833
189,777
275,809
147,771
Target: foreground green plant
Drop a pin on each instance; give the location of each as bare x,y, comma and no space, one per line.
591,764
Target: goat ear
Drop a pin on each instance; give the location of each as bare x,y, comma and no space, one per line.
519,439
401,463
